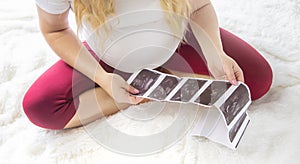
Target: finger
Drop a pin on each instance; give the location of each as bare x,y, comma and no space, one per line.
135,100
125,97
239,75
131,89
231,76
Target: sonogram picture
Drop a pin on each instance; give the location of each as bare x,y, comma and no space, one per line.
226,119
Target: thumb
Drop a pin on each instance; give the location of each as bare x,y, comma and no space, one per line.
131,89
135,100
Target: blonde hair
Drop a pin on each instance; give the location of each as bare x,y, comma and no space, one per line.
96,12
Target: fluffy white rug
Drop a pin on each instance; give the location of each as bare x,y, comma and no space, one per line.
272,26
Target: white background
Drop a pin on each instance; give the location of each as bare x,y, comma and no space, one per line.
271,26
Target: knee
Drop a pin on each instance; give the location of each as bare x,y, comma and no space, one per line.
39,110
33,108
261,81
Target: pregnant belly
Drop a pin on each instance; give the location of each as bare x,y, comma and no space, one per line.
140,49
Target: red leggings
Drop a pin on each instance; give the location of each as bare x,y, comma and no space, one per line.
53,98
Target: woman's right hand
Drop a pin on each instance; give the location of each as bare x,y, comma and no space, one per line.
119,89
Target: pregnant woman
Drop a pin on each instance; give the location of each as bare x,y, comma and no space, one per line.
118,37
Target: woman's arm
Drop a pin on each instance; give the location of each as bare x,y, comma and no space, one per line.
61,38
205,27
63,41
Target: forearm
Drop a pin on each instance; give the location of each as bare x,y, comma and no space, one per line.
205,27
70,49
205,17
204,24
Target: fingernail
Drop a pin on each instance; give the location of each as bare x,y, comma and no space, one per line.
136,91
234,82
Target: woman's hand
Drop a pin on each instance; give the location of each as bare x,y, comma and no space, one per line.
205,27
119,89
233,72
226,68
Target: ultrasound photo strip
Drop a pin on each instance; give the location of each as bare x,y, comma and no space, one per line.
233,103
224,123
164,87
144,80
212,93
186,91
240,130
212,126
227,121
233,131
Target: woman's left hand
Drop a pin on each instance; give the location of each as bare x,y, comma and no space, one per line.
233,72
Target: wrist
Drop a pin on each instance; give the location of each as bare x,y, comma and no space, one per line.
101,76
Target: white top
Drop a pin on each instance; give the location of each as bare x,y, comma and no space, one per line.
140,36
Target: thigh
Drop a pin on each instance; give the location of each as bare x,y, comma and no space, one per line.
257,71
187,59
53,98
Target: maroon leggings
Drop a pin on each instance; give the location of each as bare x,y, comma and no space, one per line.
53,98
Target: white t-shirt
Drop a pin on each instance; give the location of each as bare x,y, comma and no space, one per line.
140,36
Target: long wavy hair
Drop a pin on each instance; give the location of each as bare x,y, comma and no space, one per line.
96,12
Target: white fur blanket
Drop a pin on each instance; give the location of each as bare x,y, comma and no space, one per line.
272,26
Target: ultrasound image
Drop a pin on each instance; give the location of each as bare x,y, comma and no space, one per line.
235,102
164,88
213,92
144,80
188,90
236,127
